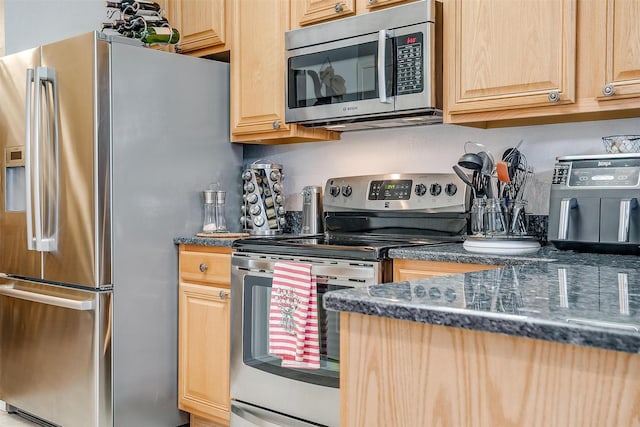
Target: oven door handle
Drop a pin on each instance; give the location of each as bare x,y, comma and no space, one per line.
259,417
351,272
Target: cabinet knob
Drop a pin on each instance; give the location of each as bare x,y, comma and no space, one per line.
554,96
224,295
176,48
276,124
338,7
203,267
373,1
609,90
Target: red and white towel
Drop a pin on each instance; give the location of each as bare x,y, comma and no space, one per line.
293,316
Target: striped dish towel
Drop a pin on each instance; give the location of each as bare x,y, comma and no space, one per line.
293,316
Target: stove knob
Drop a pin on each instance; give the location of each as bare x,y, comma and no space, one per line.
451,189
252,198
334,190
421,190
435,189
346,190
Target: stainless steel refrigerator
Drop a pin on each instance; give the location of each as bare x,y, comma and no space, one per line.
106,148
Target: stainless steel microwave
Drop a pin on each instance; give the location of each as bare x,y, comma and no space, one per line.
379,69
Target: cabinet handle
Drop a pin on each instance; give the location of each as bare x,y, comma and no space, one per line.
373,1
554,96
223,295
203,267
338,7
276,124
609,90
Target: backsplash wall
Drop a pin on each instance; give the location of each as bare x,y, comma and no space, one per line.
433,149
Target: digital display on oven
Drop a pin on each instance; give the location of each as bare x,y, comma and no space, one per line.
392,189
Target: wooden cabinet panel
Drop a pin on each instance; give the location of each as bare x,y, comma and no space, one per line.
373,5
202,25
307,12
504,54
401,373
408,269
622,67
206,265
258,76
204,322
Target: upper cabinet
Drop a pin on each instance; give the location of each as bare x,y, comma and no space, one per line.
533,62
309,12
505,55
258,76
203,25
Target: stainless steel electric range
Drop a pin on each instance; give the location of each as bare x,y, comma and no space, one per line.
365,217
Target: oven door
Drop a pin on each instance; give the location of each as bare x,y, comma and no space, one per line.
257,378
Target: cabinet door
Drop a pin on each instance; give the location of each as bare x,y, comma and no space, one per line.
408,269
258,76
622,68
204,321
307,12
202,24
372,5
504,54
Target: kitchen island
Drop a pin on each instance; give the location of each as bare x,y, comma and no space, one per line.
547,340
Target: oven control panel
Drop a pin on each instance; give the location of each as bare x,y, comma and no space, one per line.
437,192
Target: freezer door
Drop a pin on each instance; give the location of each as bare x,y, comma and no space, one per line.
14,256
55,353
75,165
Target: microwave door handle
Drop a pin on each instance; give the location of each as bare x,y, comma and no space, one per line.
382,78
27,162
626,205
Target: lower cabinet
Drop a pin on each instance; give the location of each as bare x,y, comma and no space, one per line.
203,334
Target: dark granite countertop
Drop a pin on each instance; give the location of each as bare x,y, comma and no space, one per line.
560,296
202,241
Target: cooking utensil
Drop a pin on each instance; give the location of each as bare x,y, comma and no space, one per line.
487,172
463,176
470,161
502,171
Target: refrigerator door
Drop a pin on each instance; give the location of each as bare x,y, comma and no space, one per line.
14,256
74,166
55,352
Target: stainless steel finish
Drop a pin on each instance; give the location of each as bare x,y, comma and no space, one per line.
203,267
243,415
624,218
117,139
54,359
609,90
276,124
338,7
28,169
554,97
299,399
565,206
382,76
383,112
623,293
312,210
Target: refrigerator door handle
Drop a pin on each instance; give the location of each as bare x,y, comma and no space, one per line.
27,162
80,305
45,242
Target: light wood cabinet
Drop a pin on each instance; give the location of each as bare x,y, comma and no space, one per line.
258,76
509,64
203,25
402,373
408,269
204,334
309,12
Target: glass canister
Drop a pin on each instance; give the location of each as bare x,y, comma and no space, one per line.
221,222
209,224
477,216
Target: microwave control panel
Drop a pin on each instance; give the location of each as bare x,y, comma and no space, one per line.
410,63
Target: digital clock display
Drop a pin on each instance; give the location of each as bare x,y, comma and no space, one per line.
392,189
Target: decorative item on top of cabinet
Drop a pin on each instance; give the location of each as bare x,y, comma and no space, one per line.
257,77
577,48
204,333
203,24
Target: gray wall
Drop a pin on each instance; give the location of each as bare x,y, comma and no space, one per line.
30,23
433,149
